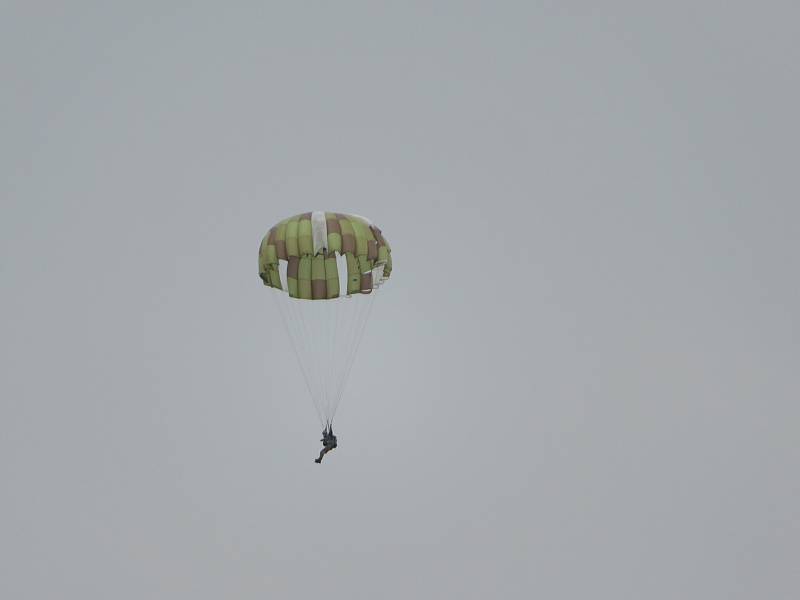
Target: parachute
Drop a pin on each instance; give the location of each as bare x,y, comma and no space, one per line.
324,270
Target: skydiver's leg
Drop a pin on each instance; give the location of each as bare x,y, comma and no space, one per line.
322,453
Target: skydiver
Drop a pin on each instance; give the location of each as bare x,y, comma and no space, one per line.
328,443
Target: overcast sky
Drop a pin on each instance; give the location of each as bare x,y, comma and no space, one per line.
580,382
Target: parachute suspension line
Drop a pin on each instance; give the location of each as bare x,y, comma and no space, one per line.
322,347
349,310
336,309
325,351
358,331
357,304
285,319
330,307
309,311
331,372
310,356
344,324
318,352
358,307
338,347
306,340
298,338
362,324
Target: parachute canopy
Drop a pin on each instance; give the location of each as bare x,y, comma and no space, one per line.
323,269
310,243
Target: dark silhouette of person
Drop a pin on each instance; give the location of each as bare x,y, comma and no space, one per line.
328,442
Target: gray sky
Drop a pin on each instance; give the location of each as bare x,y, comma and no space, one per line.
586,361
